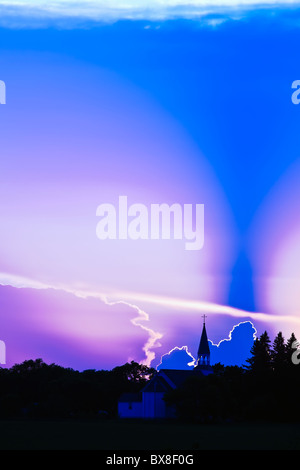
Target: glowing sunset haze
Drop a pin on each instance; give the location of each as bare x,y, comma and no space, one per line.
169,104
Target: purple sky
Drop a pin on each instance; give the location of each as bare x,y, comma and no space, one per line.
127,109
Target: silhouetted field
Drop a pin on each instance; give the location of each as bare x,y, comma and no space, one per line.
141,435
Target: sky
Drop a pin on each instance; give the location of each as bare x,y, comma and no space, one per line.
171,102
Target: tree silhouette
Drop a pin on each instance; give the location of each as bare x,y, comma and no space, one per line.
262,389
290,349
134,372
261,361
278,353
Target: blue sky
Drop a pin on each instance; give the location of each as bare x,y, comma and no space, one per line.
187,102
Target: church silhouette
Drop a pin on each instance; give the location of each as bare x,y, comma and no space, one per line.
149,402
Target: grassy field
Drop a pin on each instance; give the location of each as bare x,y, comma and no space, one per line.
128,435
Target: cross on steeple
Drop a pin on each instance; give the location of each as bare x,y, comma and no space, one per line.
203,358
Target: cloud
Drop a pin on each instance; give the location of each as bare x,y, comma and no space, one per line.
207,307
177,358
135,299
235,349
231,351
138,316
72,330
16,12
96,330
148,336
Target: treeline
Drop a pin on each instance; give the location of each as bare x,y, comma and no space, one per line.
35,389
265,388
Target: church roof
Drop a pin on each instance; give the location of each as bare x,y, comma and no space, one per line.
203,346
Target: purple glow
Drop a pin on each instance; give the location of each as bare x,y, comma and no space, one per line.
276,249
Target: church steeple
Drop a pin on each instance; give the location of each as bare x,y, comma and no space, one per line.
203,357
